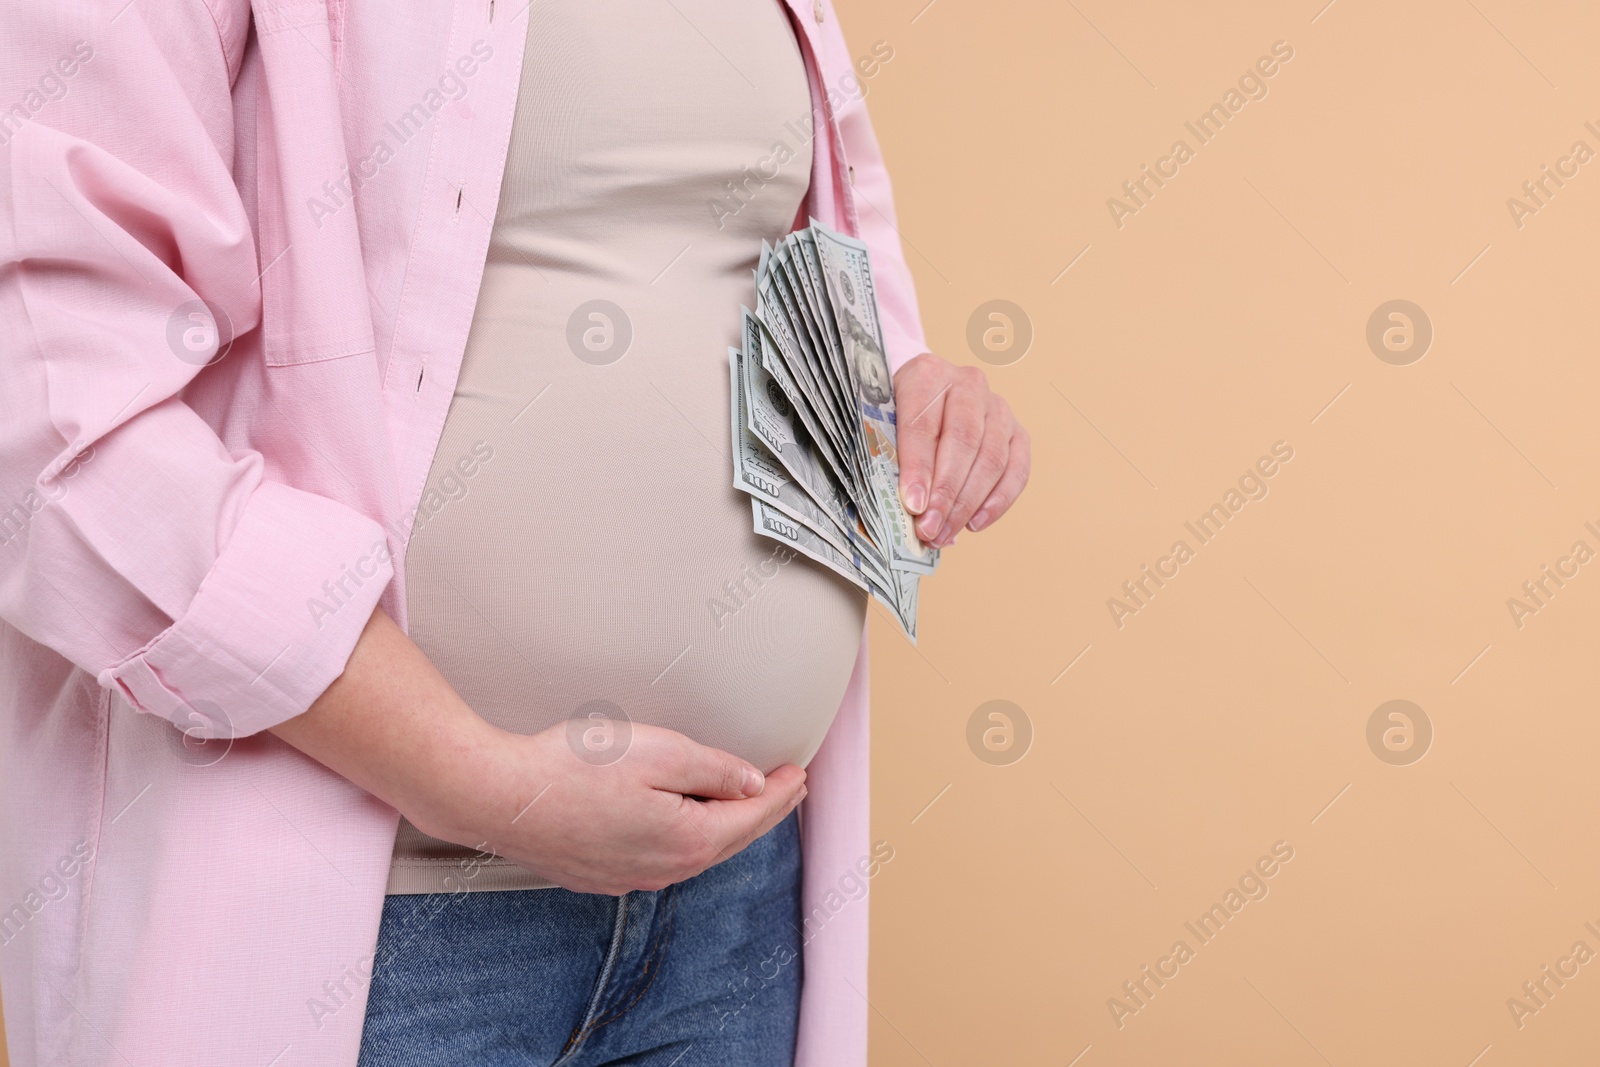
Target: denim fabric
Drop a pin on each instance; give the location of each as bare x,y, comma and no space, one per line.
705,973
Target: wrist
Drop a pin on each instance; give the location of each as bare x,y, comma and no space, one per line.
464,783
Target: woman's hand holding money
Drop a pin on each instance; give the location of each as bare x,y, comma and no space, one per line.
964,457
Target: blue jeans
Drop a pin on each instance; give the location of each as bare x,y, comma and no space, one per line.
705,973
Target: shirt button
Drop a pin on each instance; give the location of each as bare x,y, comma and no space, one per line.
816,9
852,172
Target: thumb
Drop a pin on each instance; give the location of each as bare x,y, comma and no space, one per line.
698,770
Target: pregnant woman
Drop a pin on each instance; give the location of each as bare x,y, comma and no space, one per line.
390,673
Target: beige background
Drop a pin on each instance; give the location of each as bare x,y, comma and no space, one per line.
1227,314
1226,715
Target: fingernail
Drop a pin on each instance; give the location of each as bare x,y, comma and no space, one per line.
916,498
944,536
931,523
979,521
753,782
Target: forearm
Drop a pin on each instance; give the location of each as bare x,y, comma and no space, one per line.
392,724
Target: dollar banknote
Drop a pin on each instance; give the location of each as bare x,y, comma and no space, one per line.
774,312
848,277
814,424
773,437
761,363
759,471
775,524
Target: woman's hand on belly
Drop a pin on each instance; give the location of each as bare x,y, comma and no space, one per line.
664,811
393,725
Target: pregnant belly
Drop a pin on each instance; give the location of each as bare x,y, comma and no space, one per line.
591,548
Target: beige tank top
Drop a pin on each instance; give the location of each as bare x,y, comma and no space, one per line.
580,539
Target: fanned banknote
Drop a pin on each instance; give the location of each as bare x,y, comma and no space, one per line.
813,419
848,276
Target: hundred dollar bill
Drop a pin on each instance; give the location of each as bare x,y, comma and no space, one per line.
760,473
813,347
781,309
761,365
900,597
776,314
806,271
848,277
828,352
806,243
770,522
770,418
789,316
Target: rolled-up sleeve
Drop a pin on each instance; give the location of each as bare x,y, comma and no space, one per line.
133,541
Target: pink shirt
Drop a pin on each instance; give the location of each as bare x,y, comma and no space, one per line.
240,247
